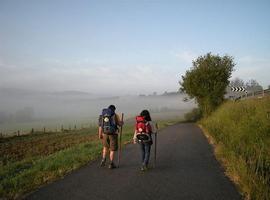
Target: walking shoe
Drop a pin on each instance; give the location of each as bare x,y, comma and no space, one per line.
111,166
144,168
103,161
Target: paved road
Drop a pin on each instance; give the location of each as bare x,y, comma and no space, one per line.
186,170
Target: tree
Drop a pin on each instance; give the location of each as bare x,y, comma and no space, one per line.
237,82
253,86
207,80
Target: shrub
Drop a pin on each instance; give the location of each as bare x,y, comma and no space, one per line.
193,116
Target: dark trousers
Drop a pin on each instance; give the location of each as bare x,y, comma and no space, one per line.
145,149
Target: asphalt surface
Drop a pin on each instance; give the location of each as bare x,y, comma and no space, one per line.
186,169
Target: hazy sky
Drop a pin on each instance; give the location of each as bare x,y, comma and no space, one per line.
127,46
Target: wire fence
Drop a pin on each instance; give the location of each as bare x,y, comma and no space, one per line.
49,129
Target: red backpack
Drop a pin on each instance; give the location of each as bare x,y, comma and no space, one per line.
143,129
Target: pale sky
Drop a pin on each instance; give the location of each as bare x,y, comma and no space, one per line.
127,46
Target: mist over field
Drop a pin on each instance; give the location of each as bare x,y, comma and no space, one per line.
25,109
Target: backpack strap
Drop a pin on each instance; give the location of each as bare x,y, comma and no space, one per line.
114,116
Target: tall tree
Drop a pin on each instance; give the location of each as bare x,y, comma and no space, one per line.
237,82
207,80
252,85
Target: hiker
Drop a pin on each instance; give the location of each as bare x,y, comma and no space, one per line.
109,123
143,135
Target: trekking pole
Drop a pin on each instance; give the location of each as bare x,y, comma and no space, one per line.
155,160
120,139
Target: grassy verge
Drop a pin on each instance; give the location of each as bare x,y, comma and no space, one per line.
34,160
241,133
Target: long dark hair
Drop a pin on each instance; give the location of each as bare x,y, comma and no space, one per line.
146,115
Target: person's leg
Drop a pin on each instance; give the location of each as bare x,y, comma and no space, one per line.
104,153
147,154
112,156
112,165
104,150
113,149
142,147
142,152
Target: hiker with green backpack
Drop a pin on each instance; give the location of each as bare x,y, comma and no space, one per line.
109,124
144,129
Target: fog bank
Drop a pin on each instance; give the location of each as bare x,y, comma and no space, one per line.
23,109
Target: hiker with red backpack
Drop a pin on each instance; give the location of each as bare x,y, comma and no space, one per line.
143,135
109,123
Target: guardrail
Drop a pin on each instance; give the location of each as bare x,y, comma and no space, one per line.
256,94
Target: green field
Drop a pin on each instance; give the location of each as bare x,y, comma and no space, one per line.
32,160
241,131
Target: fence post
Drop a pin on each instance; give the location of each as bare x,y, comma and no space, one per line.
44,129
75,127
32,130
62,128
18,132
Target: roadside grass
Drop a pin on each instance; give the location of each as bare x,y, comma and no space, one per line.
34,160
28,174
241,133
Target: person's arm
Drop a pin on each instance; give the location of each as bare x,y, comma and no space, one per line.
100,136
119,121
100,127
153,126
